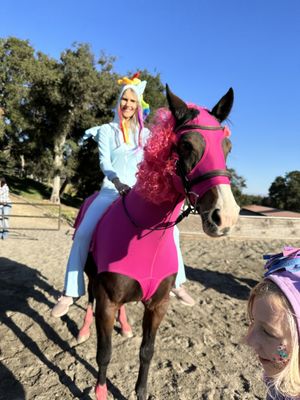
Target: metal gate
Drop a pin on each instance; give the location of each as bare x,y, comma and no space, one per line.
31,216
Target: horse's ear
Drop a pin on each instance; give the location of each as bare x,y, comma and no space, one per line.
179,109
222,109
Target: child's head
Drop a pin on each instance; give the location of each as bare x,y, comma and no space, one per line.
274,312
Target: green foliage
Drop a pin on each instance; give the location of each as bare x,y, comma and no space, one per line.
66,97
284,192
88,176
16,68
248,199
47,104
29,188
238,183
37,192
154,92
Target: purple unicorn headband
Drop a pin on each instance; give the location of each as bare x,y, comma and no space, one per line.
288,260
284,270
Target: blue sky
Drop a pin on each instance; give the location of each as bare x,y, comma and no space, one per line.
200,48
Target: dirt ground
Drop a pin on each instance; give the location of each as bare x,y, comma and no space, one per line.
198,353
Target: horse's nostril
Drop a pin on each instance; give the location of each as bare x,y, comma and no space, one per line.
215,216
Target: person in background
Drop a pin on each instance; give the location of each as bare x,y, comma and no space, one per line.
5,207
274,313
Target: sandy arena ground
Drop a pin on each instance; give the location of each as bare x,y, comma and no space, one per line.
198,354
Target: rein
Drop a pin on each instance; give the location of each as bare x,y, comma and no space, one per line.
187,184
158,227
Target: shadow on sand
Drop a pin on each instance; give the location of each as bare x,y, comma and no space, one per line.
223,282
18,284
10,388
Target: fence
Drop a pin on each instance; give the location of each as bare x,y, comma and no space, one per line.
31,216
37,216
248,227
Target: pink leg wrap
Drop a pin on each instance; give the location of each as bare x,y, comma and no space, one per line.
125,327
84,332
101,392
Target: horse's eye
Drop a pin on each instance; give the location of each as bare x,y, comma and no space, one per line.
185,148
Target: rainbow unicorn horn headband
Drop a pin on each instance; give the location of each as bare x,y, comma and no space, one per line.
138,85
288,260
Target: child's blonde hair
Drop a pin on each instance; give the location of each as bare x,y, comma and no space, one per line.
287,381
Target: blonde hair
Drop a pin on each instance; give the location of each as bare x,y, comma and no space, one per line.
287,381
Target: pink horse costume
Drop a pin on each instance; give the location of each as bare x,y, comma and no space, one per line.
183,159
135,235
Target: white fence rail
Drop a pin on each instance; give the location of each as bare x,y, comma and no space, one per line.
250,227
31,216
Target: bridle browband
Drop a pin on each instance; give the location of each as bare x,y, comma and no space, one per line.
187,184
203,127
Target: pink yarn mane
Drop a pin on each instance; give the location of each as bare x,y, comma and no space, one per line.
154,179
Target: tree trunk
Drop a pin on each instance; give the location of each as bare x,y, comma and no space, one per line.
57,166
63,186
22,165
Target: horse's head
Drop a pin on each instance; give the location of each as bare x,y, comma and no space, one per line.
202,145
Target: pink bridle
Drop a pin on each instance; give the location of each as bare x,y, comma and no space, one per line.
210,170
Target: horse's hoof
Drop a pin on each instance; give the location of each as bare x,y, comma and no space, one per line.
83,338
127,333
101,392
132,396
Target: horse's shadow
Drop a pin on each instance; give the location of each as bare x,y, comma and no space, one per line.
223,282
19,284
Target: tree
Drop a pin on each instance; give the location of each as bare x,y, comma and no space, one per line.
66,97
47,104
284,192
252,199
154,92
88,175
16,67
277,193
238,183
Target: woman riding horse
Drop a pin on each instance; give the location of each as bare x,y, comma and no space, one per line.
120,146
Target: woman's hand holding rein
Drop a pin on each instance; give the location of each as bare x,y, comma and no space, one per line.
122,188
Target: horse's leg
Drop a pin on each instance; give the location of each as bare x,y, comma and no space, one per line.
90,270
84,332
153,316
126,330
105,318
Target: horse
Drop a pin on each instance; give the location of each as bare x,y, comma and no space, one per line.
133,255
